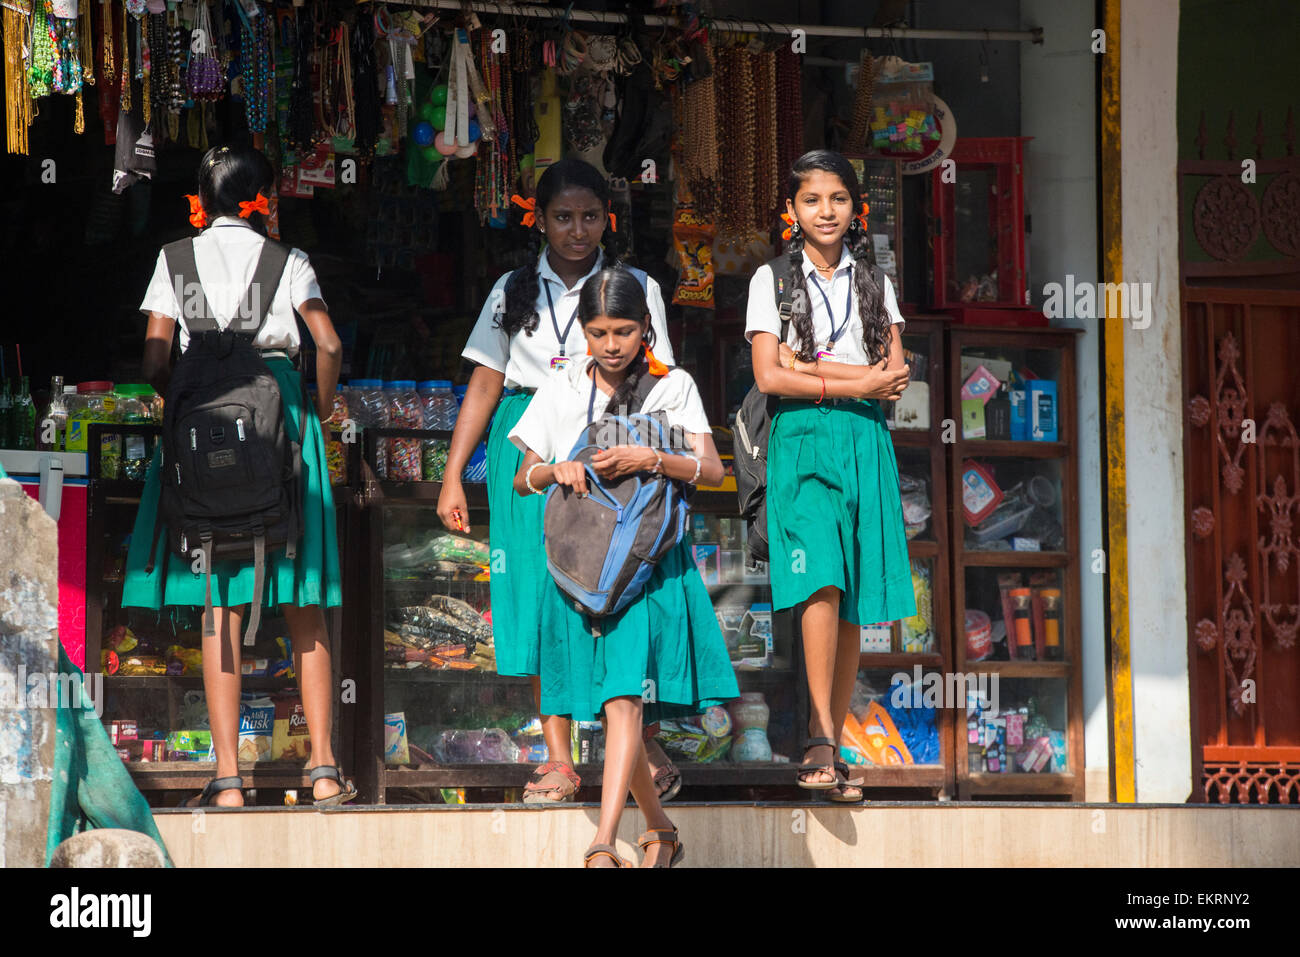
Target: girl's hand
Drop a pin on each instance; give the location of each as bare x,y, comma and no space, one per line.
452,508
623,460
571,474
784,354
881,383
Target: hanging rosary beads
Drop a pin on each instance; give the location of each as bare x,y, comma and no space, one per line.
255,57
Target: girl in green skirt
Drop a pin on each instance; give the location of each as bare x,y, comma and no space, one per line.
662,656
834,513
233,183
526,333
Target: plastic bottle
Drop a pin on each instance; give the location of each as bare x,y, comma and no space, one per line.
24,416
6,404
95,403
405,412
134,408
56,413
370,412
440,409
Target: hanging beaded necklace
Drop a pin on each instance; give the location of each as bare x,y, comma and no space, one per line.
107,34
301,133
766,171
699,135
40,73
365,87
256,70
18,98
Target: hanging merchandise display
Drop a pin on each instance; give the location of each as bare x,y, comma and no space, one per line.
204,75
693,243
738,208
18,96
699,135
903,119
860,127
300,136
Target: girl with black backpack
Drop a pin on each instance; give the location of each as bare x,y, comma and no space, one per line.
834,513
526,333
663,655
230,208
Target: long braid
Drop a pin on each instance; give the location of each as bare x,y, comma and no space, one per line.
801,314
870,295
521,292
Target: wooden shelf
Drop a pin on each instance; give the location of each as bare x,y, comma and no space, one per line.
1020,783
1012,449
1021,669
162,682
912,438
751,773
426,493
923,548
882,659
423,675
989,558
187,775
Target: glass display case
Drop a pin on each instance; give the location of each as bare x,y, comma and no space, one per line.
977,267
882,188
152,662
1015,561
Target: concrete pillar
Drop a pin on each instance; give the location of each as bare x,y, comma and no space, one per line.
29,655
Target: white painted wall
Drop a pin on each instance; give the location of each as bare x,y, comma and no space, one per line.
1058,108
1153,403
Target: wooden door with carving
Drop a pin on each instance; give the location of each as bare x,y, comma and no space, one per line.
1239,251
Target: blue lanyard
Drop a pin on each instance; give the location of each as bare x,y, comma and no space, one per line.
848,308
550,304
591,403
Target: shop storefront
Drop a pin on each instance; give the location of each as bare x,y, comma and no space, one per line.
401,136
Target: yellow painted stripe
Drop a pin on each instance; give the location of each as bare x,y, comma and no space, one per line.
1123,773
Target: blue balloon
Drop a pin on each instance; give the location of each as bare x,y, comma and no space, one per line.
474,131
423,133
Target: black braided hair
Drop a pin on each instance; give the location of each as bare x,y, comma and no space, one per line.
229,175
521,287
616,293
870,295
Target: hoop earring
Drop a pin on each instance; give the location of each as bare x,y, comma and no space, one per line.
795,231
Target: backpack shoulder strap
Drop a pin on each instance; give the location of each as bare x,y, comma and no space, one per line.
641,276
643,389
185,280
261,291
782,287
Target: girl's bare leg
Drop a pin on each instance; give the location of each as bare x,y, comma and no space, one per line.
311,663
822,647
221,683
624,757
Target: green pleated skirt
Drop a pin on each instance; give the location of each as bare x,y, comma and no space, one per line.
311,578
834,512
665,648
519,574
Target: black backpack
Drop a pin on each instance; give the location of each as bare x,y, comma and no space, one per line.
754,425
230,474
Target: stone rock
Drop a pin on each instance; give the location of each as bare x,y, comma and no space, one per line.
108,847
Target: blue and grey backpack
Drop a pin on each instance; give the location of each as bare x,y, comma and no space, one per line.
602,548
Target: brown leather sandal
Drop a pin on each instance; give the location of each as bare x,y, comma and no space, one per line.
649,838
552,783
808,768
597,849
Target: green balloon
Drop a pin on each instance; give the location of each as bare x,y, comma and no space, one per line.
439,118
438,95
428,111
526,163
431,155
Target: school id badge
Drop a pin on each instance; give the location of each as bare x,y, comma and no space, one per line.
559,363
827,353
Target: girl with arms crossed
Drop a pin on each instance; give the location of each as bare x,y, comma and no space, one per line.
834,512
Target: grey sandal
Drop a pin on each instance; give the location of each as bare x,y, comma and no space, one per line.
654,836
841,787
216,786
346,791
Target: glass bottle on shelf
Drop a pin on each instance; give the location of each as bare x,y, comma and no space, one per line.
56,413
6,405
24,416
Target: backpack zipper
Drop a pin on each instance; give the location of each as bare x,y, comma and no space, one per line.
744,435
239,427
194,439
178,473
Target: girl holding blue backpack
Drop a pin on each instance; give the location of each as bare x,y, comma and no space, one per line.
526,333
662,655
834,513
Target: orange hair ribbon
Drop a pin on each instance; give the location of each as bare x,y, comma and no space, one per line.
657,368
613,220
530,207
258,205
789,222
862,216
198,218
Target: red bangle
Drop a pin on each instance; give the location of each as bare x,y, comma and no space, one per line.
823,395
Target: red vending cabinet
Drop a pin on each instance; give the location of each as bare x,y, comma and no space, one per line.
58,481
